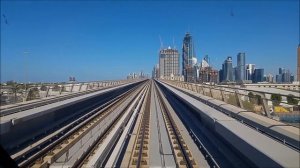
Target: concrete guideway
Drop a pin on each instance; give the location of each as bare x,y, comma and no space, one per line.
181,149
74,91
153,124
160,147
285,133
36,124
262,151
112,162
78,143
109,148
159,142
199,158
28,114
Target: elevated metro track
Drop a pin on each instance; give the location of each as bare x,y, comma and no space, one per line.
142,124
15,108
252,147
20,129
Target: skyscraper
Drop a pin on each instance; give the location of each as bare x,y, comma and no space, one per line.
168,63
227,70
235,74
298,63
155,72
250,71
281,71
241,69
187,56
258,75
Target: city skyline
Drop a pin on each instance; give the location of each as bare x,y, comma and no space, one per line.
92,46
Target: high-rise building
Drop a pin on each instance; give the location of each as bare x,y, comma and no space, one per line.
241,69
221,75
298,63
188,54
234,74
292,78
168,63
258,75
227,70
270,78
284,76
208,74
155,72
281,71
250,71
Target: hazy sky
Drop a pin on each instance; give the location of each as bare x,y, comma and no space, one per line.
97,40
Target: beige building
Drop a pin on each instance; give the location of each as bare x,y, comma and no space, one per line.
168,63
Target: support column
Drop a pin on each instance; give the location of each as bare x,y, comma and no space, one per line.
238,99
190,86
61,89
197,89
265,104
203,90
211,95
80,87
47,92
72,87
222,95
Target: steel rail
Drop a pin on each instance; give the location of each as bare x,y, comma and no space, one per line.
71,129
189,162
85,158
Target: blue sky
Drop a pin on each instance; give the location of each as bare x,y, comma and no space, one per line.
99,40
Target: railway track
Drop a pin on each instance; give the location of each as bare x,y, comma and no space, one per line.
140,152
181,152
145,126
140,155
47,150
104,153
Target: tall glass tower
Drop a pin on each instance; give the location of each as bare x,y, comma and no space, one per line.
187,54
241,69
227,69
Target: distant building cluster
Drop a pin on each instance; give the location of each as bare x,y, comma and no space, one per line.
284,76
242,73
140,75
203,72
72,79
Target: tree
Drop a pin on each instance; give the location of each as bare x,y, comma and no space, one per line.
258,99
291,100
33,93
55,88
15,89
11,82
250,94
254,99
276,99
43,88
232,100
